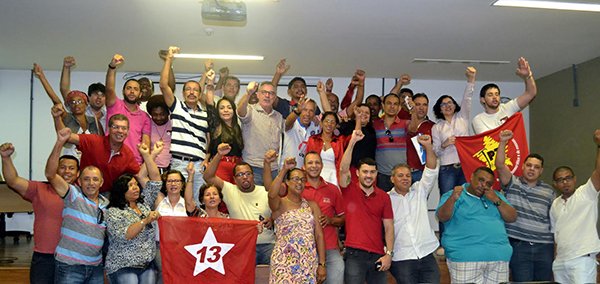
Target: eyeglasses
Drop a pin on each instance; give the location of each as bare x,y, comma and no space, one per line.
244,174
298,179
564,179
174,181
100,216
117,127
389,135
270,93
76,102
446,104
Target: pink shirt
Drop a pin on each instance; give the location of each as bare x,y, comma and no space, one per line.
158,133
48,208
139,124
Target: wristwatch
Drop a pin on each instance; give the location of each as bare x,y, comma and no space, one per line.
497,203
323,264
389,252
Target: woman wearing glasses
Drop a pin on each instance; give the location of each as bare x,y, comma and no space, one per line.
131,234
299,251
453,121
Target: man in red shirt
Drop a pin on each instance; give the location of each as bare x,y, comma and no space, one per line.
368,214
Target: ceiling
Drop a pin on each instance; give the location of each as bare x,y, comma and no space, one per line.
318,37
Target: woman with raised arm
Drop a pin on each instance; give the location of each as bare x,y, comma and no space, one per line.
210,198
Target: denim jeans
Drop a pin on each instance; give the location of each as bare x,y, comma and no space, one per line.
531,261
131,275
361,266
72,274
449,177
413,271
258,175
181,166
263,253
335,267
42,268
158,264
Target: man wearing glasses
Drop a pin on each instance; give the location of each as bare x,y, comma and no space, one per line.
391,140
573,216
245,200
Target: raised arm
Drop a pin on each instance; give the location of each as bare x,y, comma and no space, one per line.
242,107
223,73
39,73
209,88
149,169
270,157
9,172
65,76
524,72
596,174
111,74
188,194
430,157
280,70
58,112
322,91
274,187
166,90
211,170
465,104
504,173
208,66
360,90
446,211
58,183
345,175
508,213
403,81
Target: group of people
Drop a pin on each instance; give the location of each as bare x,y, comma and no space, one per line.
339,189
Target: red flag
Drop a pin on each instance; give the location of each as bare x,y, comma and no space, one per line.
480,150
207,250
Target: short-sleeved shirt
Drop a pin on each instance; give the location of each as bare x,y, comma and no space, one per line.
391,148
139,124
83,229
295,140
249,206
329,199
162,133
364,217
475,232
485,121
574,223
262,131
533,210
96,151
48,208
189,132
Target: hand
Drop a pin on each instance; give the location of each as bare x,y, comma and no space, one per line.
357,135
386,262
424,140
64,134
405,79
57,110
259,227
289,163
470,73
281,67
270,156
210,77
143,149
6,150
360,75
252,87
267,223
456,192
116,61
321,89
158,147
523,69
343,116
223,149
324,220
172,51
223,73
321,274
597,137
190,169
208,65
152,216
301,103
69,62
450,141
490,194
37,70
506,135
329,85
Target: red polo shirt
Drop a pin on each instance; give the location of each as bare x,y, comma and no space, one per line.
329,199
95,151
364,217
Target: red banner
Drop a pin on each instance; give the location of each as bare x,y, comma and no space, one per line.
207,250
480,150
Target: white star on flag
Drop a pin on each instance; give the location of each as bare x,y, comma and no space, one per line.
209,253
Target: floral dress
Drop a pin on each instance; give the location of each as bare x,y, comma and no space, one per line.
294,258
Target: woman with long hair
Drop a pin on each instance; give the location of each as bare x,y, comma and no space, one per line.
330,146
227,130
209,199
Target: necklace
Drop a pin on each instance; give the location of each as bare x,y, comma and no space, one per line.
163,133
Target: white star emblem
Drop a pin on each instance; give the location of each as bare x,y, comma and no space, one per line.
209,253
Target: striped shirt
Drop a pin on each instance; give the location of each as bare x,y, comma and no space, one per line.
189,131
533,209
82,237
391,144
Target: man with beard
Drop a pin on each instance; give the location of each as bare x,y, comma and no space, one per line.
530,236
189,136
139,122
160,130
474,239
369,221
573,216
419,125
495,113
47,207
245,200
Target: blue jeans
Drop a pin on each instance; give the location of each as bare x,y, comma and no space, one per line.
158,264
335,267
449,177
72,274
263,253
413,271
258,175
531,261
361,266
42,268
416,175
131,275
181,166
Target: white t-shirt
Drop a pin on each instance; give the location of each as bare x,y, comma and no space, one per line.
485,121
295,141
249,206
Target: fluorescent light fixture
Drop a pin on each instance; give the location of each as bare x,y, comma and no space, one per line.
466,61
572,6
220,56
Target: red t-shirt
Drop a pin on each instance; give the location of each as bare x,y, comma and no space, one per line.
329,199
364,217
95,151
48,208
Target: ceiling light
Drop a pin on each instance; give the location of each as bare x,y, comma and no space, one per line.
466,61
220,56
572,6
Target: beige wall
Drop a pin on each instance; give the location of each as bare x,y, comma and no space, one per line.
561,132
